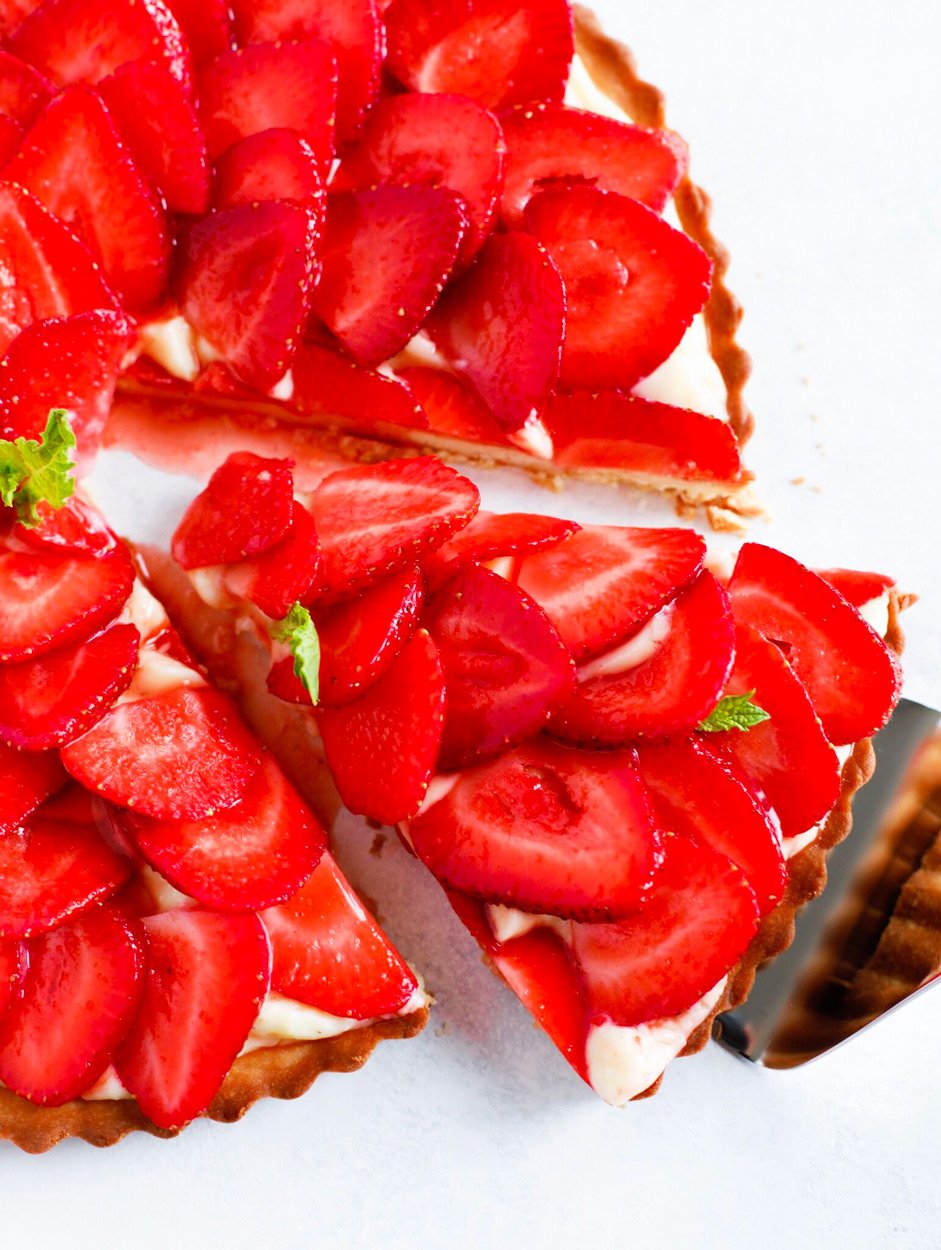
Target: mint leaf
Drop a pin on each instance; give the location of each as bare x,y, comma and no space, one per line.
34,472
735,711
300,634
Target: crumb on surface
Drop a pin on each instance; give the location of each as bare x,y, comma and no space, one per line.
378,844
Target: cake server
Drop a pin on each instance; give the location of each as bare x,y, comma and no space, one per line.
872,939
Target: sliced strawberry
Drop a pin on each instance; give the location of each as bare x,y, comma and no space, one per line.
547,829
451,406
24,92
328,952
851,677
632,283
500,52
51,870
408,140
603,582
505,666
492,536
247,507
695,927
549,145
277,578
48,272
206,976
270,165
206,26
26,781
79,41
267,85
182,754
47,600
74,806
11,136
328,384
76,1003
12,969
387,254
856,587
382,749
244,284
157,120
373,519
49,701
12,13
501,326
73,160
76,528
669,692
254,854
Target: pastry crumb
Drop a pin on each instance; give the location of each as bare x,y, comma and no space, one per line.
798,481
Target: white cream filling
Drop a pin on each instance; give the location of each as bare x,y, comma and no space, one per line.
171,343
157,674
643,646
144,611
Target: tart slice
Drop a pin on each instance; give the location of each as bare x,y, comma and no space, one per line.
623,763
176,937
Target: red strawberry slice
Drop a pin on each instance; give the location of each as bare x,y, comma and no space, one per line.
274,164
76,528
74,806
76,1003
80,41
695,926
206,26
451,406
12,969
351,27
328,952
49,272
182,754
668,693
608,429
26,781
492,536
329,384
501,326
851,677
74,161
244,285
408,140
603,582
374,519
23,90
856,587
49,701
72,363
632,283
387,254
11,136
505,666
277,578
697,795
48,600
382,749
246,508
157,120
267,85
547,829
254,854
12,13
549,145
206,976
500,52
51,870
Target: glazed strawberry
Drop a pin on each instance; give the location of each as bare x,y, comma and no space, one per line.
24,92
73,160
666,693
274,164
386,254
247,507
206,26
328,952
409,140
500,52
254,854
549,145
603,582
494,536
74,528
632,283
26,782
547,829
269,85
695,927
285,573
501,325
53,870
48,600
243,283
182,754
373,519
12,968
382,749
206,975
76,1003
11,136
12,13
856,587
505,666
328,384
51,700
849,673
790,744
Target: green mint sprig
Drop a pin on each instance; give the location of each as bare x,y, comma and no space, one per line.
298,631
34,472
735,711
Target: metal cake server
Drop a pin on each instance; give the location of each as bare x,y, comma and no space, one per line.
873,937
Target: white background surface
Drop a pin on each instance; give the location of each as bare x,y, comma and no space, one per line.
815,125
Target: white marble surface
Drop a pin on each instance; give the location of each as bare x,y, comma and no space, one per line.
815,127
